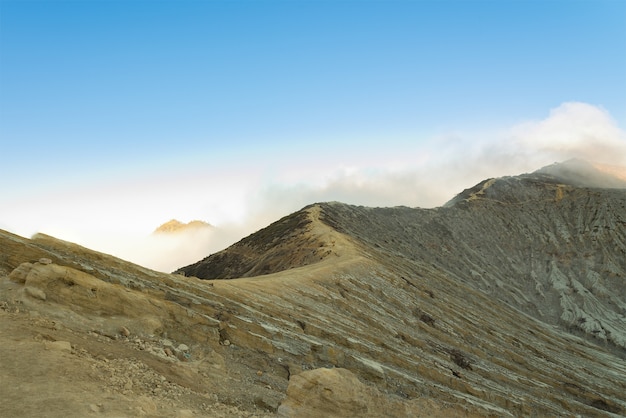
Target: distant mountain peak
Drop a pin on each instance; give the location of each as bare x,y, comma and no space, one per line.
175,226
583,173
546,181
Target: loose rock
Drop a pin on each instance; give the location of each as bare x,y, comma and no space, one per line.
64,346
35,293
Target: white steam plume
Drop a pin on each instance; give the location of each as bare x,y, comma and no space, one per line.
420,175
446,166
575,130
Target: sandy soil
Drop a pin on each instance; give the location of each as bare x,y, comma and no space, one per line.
48,370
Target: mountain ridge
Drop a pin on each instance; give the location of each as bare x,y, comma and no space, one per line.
555,224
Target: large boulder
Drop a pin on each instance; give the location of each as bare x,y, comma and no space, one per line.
339,393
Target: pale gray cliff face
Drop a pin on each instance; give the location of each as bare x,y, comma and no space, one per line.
554,251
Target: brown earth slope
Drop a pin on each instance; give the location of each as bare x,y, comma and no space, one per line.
287,243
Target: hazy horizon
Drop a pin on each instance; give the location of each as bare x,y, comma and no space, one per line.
116,117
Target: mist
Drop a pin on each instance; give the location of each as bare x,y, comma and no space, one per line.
451,163
119,218
447,165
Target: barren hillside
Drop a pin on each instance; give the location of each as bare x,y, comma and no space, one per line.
508,301
544,243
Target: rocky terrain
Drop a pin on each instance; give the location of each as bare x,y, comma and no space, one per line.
508,301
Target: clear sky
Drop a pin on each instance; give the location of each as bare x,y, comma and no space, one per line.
116,116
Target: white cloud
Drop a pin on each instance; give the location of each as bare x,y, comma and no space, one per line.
574,130
450,163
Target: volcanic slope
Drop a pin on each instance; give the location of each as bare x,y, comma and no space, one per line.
483,301
465,310
539,242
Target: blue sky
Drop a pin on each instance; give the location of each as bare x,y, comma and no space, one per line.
251,102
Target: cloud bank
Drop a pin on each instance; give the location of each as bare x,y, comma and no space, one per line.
431,174
449,164
119,219
574,130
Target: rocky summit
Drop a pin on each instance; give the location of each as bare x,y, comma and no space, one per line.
510,300
175,226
